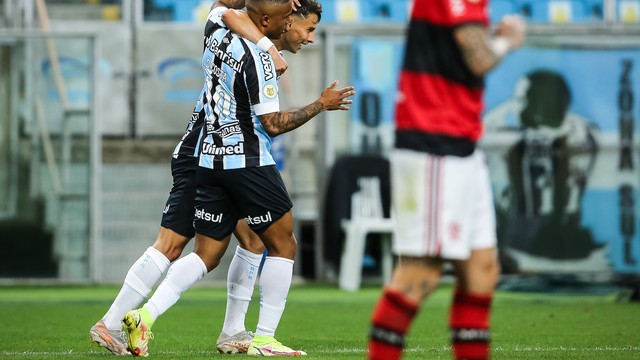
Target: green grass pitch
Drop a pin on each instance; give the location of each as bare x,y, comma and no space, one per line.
53,323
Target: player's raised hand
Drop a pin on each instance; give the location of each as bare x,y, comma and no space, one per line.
512,28
336,99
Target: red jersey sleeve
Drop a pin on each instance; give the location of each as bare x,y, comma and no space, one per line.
451,12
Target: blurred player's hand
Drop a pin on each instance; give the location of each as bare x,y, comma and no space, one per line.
336,99
296,5
512,28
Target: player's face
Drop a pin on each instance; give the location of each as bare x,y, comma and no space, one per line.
279,20
301,32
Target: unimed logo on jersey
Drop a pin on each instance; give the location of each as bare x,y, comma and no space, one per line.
213,149
255,220
203,215
266,66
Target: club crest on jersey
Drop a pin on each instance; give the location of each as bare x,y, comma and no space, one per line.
266,66
269,91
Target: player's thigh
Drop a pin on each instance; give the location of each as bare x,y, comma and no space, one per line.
279,239
263,201
178,210
216,213
432,204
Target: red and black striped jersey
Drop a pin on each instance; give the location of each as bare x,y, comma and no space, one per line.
440,99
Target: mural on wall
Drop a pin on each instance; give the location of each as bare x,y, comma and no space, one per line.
561,145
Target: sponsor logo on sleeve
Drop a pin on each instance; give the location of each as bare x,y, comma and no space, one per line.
266,66
269,91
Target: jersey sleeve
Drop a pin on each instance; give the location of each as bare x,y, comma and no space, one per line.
261,81
215,15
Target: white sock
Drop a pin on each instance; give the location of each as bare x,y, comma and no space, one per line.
182,274
241,278
143,275
275,282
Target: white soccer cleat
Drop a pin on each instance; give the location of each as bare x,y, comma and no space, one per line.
236,344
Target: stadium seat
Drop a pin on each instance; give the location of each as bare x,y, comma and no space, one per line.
393,11
182,9
628,11
366,217
554,11
342,11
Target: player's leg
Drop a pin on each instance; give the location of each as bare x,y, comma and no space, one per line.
413,279
182,274
275,282
266,206
176,231
477,276
416,241
241,278
211,203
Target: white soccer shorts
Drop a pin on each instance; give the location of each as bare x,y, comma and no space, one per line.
443,205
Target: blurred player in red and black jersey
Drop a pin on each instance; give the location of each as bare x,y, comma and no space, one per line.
441,189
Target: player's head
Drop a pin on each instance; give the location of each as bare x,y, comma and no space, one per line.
302,30
272,17
231,4
546,98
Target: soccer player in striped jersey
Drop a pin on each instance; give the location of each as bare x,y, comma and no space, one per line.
237,177
440,184
177,220
240,281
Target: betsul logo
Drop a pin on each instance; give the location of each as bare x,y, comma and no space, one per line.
206,216
256,220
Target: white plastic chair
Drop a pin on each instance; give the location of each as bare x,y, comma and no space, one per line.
367,217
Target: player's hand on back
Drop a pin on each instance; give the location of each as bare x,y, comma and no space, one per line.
336,99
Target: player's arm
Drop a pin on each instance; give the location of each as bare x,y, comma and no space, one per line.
481,52
277,123
240,23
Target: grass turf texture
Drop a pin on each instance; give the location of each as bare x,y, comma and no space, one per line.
53,323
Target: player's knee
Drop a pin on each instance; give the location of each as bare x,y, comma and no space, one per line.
171,244
284,246
251,243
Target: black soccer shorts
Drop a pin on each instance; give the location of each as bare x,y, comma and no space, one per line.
223,197
179,209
